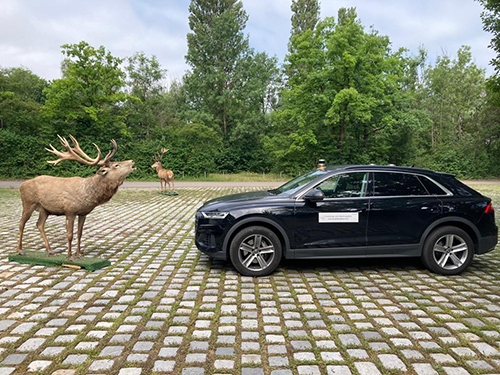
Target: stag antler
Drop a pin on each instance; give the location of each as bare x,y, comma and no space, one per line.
159,156
110,154
76,153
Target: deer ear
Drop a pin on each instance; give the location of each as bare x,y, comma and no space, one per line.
102,171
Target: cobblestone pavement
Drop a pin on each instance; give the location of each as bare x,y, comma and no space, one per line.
163,307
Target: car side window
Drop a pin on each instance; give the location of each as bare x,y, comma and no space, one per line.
431,187
388,184
348,185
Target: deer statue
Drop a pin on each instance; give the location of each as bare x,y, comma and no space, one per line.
71,196
165,175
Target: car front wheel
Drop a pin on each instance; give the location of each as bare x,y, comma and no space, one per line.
448,251
255,251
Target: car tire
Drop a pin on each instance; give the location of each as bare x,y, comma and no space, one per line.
255,251
448,251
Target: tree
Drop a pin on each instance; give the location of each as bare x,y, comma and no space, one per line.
22,127
216,47
344,95
146,83
21,98
491,23
462,130
89,99
305,15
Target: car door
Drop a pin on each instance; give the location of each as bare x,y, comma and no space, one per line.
401,208
335,226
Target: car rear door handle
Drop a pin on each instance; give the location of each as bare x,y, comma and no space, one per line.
431,209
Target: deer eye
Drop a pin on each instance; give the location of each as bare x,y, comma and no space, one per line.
117,165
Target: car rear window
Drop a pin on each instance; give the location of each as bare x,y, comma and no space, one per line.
388,184
431,187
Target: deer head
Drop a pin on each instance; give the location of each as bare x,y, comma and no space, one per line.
157,158
118,170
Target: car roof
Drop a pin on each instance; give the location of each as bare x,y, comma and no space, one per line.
388,168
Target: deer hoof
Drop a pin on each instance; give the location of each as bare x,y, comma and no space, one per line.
20,252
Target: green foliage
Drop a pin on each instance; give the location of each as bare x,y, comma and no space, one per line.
461,132
89,99
305,15
345,95
230,87
21,98
149,107
192,151
491,23
216,48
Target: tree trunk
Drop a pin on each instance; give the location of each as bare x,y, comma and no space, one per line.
224,120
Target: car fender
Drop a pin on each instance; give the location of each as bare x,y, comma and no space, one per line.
445,220
256,220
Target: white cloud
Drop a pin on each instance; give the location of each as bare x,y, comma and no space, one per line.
31,31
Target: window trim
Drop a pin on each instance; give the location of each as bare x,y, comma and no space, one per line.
448,192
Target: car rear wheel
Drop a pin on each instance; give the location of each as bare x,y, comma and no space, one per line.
448,251
255,251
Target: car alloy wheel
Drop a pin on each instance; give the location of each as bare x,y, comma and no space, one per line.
256,252
450,251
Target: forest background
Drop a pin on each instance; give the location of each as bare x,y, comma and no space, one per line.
342,94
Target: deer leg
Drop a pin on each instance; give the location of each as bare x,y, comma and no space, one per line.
81,221
41,227
70,221
27,212
173,184
161,185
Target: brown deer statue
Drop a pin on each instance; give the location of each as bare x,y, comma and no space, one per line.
72,196
165,175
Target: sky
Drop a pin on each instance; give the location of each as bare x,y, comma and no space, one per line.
32,31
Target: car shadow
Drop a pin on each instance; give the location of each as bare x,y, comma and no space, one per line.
352,264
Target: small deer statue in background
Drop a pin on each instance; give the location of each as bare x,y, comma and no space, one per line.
165,175
72,196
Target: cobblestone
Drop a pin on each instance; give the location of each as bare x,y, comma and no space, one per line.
164,307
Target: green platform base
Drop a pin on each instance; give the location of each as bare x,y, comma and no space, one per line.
42,258
169,194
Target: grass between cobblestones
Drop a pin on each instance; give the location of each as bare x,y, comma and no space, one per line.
165,308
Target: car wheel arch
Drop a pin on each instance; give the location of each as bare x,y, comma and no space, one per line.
458,222
262,221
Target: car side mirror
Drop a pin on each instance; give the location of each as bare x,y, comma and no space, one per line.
314,195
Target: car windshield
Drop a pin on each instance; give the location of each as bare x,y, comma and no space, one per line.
297,183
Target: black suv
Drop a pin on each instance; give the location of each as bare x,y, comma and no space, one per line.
351,212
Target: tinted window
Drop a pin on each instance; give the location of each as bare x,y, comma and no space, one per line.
431,187
397,184
346,185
